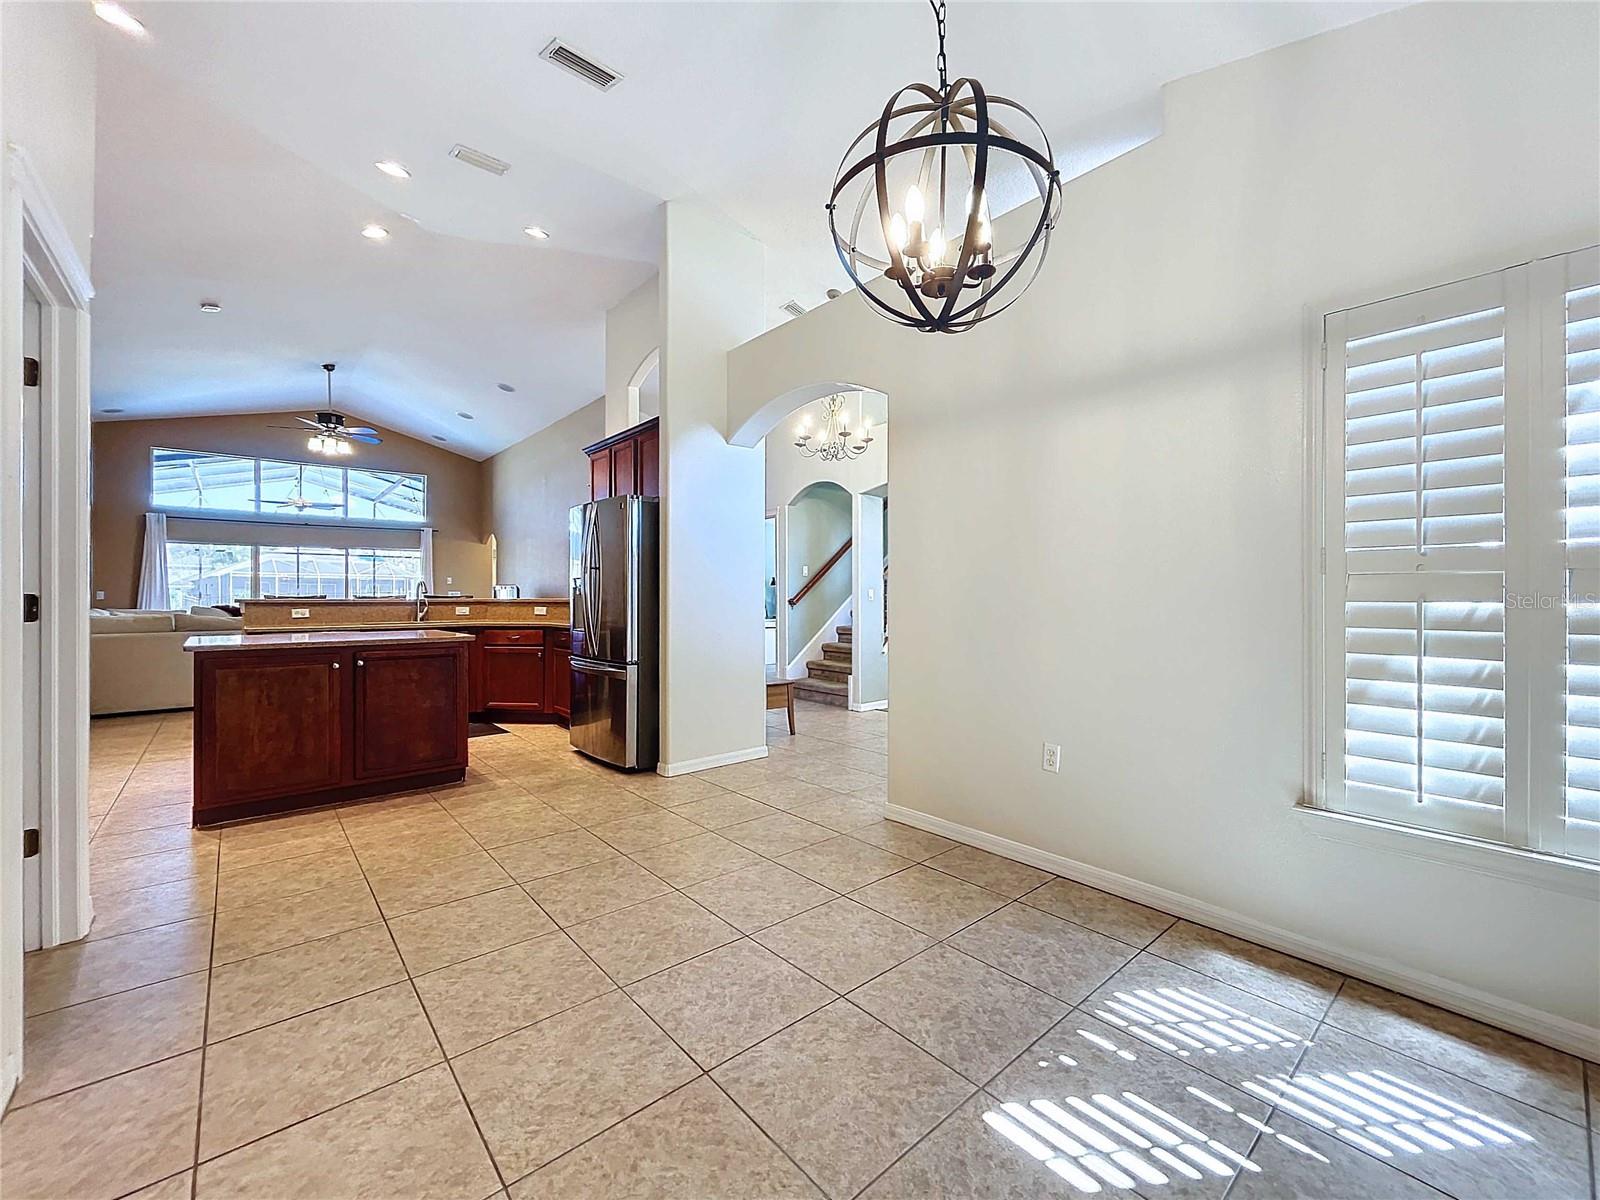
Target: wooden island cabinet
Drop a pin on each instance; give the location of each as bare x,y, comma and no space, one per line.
284,721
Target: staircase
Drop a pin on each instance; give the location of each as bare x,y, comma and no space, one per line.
828,678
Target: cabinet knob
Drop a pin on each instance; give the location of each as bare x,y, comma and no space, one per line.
335,666
361,662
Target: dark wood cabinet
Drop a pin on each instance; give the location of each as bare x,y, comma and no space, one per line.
627,463
558,674
285,728
513,670
268,725
410,711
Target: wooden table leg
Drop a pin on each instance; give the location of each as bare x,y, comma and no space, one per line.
789,692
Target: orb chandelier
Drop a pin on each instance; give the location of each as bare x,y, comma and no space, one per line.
834,442
942,154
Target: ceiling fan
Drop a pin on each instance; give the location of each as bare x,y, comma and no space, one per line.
331,435
301,504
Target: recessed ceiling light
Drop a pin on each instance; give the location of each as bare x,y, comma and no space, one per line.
505,387
210,306
113,410
465,416
376,232
393,169
536,233
115,14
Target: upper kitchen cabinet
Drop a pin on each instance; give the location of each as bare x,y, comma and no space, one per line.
626,463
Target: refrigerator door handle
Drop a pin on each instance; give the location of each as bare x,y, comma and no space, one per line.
589,666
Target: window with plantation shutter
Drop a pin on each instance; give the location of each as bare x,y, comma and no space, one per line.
1459,620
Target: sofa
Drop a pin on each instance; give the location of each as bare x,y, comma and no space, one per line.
136,657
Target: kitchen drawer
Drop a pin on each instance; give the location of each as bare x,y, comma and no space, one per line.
561,639
512,637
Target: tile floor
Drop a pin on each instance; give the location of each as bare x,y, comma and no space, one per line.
557,981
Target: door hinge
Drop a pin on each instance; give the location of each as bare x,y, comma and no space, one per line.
30,608
1324,354
30,372
30,843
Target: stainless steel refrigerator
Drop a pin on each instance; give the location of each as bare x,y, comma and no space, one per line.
615,612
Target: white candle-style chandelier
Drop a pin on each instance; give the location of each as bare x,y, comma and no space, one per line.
945,152
834,441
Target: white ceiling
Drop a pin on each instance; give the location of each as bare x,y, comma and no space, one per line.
235,149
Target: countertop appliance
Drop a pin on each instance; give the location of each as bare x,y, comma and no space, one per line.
614,565
507,591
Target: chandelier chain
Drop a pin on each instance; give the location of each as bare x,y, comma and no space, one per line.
938,16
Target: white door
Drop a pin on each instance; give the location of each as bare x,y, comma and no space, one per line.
32,661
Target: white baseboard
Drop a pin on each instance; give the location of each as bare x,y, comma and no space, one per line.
870,706
711,760
1560,1032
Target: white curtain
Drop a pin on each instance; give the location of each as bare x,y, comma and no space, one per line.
427,559
153,568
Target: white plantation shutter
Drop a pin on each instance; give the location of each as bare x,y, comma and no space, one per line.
1460,567
1581,458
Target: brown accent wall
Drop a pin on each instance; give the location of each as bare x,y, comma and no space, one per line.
121,496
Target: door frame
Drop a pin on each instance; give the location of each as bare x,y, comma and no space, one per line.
35,245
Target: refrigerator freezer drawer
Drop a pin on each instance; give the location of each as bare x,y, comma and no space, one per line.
614,714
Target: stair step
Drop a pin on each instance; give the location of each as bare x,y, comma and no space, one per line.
839,650
844,632
819,668
823,691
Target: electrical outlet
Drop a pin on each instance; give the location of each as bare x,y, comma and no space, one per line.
296,614
804,570
540,610
449,579
1052,758
99,595
463,610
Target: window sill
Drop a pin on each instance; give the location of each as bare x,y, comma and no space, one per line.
1556,874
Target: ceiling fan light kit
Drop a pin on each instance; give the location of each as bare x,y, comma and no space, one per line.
926,169
332,436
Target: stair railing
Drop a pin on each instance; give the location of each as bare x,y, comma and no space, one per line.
816,577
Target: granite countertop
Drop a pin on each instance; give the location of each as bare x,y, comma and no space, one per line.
452,623
300,639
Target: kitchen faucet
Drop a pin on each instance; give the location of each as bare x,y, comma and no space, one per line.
422,599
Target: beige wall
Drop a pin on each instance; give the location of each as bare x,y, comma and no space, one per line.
528,489
121,467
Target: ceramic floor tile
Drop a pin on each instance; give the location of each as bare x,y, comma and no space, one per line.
692,1143
412,1138
541,1091
740,777
592,806
107,848
1100,911
695,859
842,944
285,983
1081,1075
785,792
106,1139
323,837
87,970
723,1002
1521,1151
174,1187
632,834
74,1046
551,855
1010,879
588,892
841,813
1514,1066
278,924
759,896
1298,1162
281,878
915,844
1053,955
160,904
777,834
145,818
843,1095
634,942
514,822
843,863
671,791
495,993
831,775
1215,1028
931,901
1291,982
726,808
968,1016
264,1081
400,852
447,933
426,884
146,870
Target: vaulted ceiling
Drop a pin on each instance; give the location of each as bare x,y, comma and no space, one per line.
235,149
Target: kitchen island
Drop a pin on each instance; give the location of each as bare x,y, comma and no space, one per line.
286,721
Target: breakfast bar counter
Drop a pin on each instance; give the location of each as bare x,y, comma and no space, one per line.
294,720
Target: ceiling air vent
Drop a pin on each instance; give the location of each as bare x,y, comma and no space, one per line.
477,158
795,309
581,65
